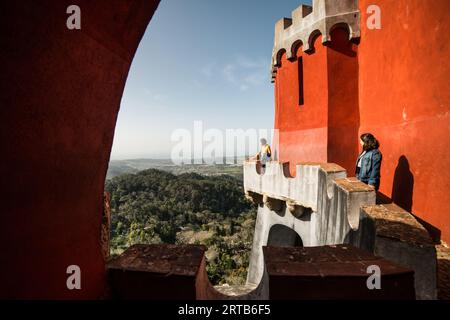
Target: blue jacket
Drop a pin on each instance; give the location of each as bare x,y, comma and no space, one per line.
370,168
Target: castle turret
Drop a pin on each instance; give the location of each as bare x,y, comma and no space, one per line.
307,22
315,71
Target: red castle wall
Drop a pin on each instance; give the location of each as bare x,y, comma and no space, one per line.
404,97
396,87
323,127
60,95
302,125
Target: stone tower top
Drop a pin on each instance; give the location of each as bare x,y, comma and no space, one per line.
308,22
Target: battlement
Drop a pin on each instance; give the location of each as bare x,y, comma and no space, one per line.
314,185
308,22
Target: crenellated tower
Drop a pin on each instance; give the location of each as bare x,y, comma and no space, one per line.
315,73
308,22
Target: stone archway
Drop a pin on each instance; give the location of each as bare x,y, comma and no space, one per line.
60,95
282,236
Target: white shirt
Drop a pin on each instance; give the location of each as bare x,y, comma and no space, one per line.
360,158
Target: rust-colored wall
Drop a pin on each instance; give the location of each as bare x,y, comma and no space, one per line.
343,108
325,127
302,129
60,92
404,97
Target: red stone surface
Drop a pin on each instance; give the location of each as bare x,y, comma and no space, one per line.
404,97
60,92
321,129
157,272
303,128
333,272
168,272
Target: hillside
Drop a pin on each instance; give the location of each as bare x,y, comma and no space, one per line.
155,206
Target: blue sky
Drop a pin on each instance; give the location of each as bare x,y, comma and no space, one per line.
199,60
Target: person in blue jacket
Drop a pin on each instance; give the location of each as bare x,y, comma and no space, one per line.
368,165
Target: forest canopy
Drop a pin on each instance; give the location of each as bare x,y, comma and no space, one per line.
153,206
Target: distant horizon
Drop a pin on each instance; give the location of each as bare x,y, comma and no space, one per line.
166,158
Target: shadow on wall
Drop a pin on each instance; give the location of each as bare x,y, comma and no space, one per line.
402,195
346,48
343,105
403,185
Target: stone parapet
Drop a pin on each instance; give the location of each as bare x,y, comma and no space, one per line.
395,234
314,185
308,22
171,272
274,181
333,272
320,204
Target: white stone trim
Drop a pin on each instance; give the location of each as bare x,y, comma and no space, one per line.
307,22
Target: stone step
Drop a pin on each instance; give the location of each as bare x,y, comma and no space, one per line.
395,234
156,272
333,272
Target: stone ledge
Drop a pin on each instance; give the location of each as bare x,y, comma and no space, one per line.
353,185
275,182
394,234
394,223
338,260
333,272
327,167
156,272
160,259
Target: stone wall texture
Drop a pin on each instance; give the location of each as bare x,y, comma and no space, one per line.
60,93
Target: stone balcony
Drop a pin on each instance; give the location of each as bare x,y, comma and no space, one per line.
316,186
322,206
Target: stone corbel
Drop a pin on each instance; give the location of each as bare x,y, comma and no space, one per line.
254,197
273,204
